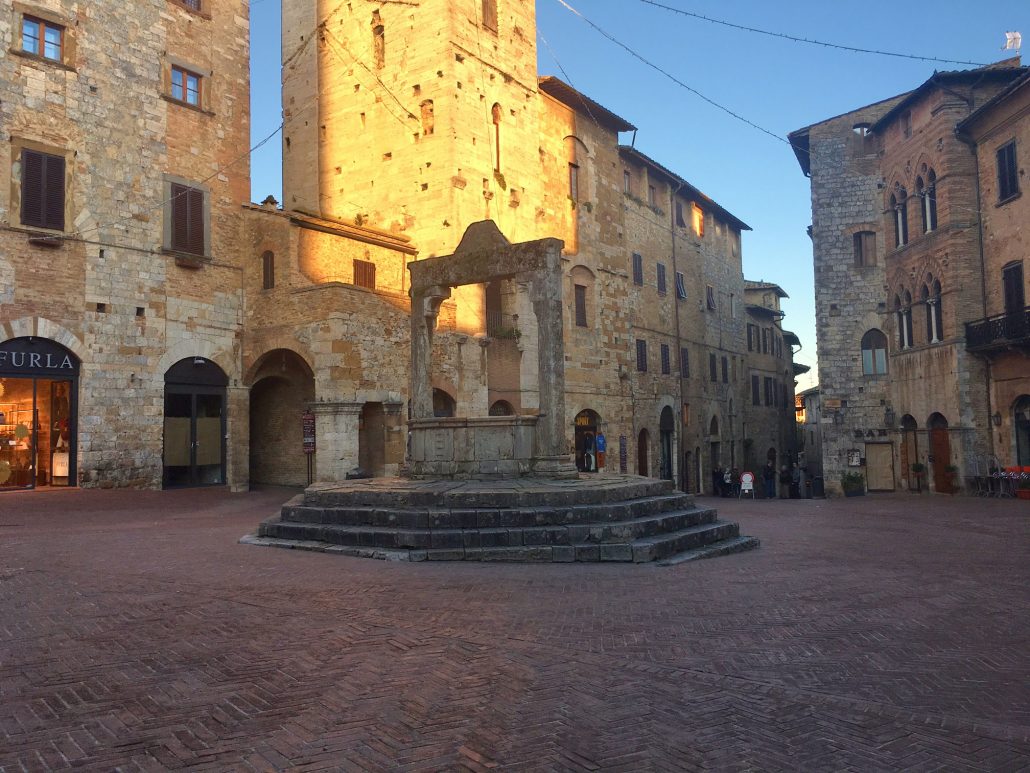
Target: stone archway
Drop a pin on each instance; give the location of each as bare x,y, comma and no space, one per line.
282,386
940,450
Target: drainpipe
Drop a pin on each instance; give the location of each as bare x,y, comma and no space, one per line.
971,143
679,345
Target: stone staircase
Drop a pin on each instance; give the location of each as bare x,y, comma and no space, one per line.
625,519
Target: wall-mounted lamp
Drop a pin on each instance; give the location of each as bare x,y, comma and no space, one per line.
996,419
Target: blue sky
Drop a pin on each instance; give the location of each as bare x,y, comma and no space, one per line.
778,84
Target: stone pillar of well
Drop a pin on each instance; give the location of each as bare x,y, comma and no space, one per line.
425,305
336,439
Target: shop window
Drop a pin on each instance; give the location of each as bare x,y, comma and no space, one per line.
42,189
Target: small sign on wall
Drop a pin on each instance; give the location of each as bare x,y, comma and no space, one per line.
307,423
854,457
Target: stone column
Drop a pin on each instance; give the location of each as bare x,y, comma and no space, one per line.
237,446
396,438
336,439
425,305
551,444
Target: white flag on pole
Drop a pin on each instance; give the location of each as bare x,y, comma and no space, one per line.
1012,40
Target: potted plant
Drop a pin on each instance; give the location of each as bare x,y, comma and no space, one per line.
853,484
1023,489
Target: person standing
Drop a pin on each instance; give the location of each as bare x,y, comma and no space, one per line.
769,478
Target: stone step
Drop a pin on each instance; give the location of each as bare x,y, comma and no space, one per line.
723,548
389,537
454,496
496,517
664,545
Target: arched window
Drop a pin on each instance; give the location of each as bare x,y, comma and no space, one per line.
924,298
929,196
899,206
902,316
443,404
874,353
582,296
495,114
502,408
378,41
906,318
938,313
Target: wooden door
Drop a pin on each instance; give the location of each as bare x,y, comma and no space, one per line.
940,449
879,460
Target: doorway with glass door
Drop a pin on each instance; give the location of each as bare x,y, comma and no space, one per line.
194,426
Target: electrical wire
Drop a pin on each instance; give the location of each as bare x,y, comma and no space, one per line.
670,76
810,41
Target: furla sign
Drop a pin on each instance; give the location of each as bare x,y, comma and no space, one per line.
36,357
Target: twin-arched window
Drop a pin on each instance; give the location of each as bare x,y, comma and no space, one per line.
928,196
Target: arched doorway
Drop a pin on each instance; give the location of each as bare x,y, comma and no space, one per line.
1021,429
587,423
444,406
39,392
194,428
910,452
940,452
666,433
281,389
642,440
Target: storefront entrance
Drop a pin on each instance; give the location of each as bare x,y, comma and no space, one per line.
587,423
194,431
39,387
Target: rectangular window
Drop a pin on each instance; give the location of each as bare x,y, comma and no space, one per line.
725,371
42,190
666,364
574,182
765,340
686,414
710,297
580,293
186,86
268,270
365,274
661,278
642,355
187,227
652,196
865,248
627,182
1012,288
752,330
756,397
698,219
685,362
1008,173
713,368
681,286
638,269
42,38
490,15
679,215
768,384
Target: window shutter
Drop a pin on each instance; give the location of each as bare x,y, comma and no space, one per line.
195,204
180,218
581,305
53,192
32,188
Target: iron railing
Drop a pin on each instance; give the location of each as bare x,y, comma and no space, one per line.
1000,331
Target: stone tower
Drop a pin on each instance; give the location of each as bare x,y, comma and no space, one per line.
415,119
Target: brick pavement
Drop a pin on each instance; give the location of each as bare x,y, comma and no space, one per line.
868,634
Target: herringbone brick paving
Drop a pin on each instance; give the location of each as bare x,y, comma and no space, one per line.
880,633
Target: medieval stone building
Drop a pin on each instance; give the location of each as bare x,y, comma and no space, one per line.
899,230
197,328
